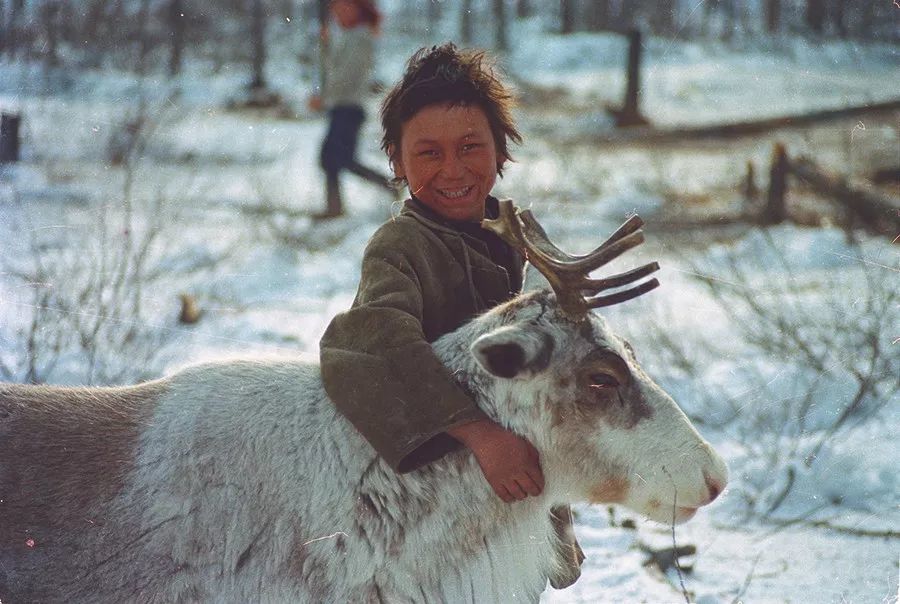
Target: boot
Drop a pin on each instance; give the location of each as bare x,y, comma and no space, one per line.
333,205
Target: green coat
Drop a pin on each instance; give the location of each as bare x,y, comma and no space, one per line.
422,277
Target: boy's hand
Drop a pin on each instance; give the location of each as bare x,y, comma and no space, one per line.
510,463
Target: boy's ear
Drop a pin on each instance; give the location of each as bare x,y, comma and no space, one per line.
396,162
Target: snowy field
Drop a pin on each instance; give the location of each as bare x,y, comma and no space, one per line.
782,344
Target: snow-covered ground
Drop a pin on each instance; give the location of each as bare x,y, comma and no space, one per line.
219,198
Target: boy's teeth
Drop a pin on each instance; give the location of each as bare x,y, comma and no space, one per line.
455,194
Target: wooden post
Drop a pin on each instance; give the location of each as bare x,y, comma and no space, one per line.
9,137
775,211
630,113
258,34
750,189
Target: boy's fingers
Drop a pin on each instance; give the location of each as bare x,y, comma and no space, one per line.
515,490
503,494
529,485
537,476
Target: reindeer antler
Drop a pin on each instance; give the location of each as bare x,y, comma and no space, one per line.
567,274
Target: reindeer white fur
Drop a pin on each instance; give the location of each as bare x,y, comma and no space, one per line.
239,482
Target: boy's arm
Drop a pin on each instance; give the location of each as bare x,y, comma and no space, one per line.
381,372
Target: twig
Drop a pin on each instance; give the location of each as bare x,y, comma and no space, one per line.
674,543
747,580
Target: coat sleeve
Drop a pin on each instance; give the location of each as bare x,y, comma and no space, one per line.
379,369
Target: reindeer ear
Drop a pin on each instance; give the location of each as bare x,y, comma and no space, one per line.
513,351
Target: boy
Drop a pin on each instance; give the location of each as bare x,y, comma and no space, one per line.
446,125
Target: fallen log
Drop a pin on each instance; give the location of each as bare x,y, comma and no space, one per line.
875,209
647,134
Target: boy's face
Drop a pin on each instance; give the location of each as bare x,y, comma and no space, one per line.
449,159
345,13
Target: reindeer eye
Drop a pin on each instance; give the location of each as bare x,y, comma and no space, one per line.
603,381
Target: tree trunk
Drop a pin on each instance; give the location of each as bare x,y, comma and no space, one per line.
9,137
50,21
465,22
143,17
815,15
258,34
663,17
773,16
523,9
626,17
176,33
598,15
16,9
434,15
838,14
501,41
867,19
566,16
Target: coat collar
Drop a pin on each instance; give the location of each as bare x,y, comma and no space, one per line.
418,210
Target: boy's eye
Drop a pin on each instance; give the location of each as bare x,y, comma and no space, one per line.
471,146
427,153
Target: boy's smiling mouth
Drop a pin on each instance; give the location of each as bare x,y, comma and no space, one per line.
456,193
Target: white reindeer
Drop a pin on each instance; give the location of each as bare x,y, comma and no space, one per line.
239,482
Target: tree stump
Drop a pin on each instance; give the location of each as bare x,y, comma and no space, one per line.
9,137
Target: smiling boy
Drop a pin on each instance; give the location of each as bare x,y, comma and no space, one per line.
446,126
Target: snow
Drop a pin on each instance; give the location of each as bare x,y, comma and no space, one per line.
229,192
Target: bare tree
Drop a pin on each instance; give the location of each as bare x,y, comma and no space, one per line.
566,16
49,15
465,22
434,14
815,15
662,17
523,9
500,38
773,16
176,33
599,15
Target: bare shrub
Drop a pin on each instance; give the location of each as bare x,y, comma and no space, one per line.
805,358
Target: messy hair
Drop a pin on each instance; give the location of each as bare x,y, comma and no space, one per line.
446,74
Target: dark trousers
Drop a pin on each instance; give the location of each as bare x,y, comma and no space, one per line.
338,153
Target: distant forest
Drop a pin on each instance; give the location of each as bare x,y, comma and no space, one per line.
153,35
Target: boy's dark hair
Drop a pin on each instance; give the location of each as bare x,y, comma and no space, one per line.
446,74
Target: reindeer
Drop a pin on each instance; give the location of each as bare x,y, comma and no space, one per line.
237,481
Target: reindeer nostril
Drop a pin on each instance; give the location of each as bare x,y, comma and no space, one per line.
714,486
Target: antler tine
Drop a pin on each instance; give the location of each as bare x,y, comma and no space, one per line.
622,296
592,286
568,274
536,234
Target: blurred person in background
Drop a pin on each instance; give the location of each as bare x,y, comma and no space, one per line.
348,63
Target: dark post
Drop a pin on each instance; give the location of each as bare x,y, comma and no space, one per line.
630,114
774,211
750,190
258,34
9,137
